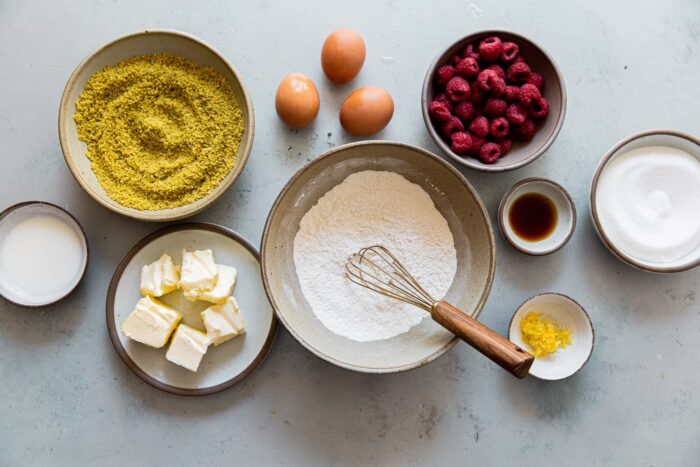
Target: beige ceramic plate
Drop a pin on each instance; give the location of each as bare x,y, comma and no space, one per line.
148,42
454,198
223,365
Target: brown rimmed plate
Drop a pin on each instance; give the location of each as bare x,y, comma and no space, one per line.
223,365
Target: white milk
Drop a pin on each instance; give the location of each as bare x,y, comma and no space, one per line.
41,258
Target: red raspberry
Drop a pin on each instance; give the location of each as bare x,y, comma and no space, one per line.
489,81
519,59
518,72
498,69
511,93
495,107
477,94
457,89
490,153
444,74
438,112
455,59
537,80
499,128
516,114
471,52
510,52
499,87
490,49
461,143
505,145
486,79
442,98
465,111
539,108
452,125
480,127
477,142
526,131
467,68
527,93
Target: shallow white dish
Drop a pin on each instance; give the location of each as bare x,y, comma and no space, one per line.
223,365
567,312
566,216
12,216
671,138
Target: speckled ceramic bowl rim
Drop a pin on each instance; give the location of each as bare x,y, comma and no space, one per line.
24,204
112,327
594,208
180,211
590,323
501,215
477,310
467,161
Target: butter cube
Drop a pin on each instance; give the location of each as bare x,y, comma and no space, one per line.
223,322
223,287
151,322
198,272
160,277
187,347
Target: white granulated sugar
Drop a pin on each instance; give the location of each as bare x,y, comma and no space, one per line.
371,208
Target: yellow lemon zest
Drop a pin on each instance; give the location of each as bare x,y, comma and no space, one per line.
543,335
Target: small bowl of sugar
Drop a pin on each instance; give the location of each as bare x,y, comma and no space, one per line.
43,254
645,199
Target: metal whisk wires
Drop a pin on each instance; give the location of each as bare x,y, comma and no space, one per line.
377,269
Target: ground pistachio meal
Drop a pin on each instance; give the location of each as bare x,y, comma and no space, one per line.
161,131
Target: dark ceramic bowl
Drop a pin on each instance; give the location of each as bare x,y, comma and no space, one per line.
554,91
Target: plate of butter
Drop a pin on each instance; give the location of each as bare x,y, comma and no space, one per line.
187,311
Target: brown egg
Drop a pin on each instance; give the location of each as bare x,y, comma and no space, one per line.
297,100
343,55
366,111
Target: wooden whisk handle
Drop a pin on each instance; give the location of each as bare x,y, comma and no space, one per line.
494,346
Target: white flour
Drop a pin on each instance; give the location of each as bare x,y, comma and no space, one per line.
371,208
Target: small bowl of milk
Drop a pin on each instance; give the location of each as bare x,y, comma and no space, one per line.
645,201
43,254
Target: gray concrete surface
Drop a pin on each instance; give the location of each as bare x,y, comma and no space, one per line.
66,398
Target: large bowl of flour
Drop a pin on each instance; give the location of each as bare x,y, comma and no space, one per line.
362,194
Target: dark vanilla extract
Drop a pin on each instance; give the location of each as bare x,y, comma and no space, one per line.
533,217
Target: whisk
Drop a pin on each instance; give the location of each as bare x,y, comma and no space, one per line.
377,269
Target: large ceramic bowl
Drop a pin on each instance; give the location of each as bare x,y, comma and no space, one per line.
671,138
453,197
554,91
141,43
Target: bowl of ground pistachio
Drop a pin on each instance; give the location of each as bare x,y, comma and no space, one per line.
156,125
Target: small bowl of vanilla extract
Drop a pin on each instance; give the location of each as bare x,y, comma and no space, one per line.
537,216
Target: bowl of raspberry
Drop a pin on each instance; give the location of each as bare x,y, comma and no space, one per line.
494,101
